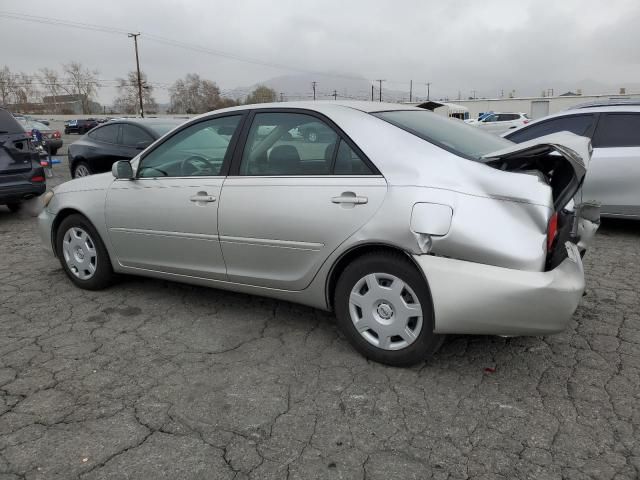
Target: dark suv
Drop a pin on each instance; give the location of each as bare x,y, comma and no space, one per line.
21,176
80,126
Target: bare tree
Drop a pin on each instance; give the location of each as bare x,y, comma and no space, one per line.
50,80
82,82
127,100
7,85
25,91
195,95
261,94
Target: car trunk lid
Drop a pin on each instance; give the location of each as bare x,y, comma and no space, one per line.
562,159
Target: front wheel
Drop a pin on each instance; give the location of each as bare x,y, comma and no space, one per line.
81,169
82,254
14,207
384,308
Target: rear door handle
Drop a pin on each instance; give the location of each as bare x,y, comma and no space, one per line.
202,198
350,198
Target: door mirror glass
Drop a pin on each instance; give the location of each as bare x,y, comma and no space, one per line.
122,170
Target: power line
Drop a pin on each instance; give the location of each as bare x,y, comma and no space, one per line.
166,41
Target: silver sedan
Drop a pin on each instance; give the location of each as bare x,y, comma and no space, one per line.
406,224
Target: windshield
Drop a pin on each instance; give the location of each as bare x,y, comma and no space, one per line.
452,135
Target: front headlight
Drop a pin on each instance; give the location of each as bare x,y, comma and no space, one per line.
46,198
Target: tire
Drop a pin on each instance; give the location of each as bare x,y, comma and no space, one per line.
53,151
81,169
386,310
66,131
14,207
89,269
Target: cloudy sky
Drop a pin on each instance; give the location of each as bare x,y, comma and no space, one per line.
458,45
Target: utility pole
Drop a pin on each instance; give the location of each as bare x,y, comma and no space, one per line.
473,94
313,84
372,93
281,97
428,84
410,91
135,41
335,94
380,83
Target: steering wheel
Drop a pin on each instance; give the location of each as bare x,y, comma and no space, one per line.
188,168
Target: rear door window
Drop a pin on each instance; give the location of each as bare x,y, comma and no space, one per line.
106,134
578,124
617,130
133,136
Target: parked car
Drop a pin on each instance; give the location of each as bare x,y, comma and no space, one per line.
498,123
21,176
614,172
79,126
51,139
406,224
115,140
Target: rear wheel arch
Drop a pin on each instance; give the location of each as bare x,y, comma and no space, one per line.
356,252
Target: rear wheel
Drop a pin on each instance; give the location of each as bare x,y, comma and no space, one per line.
14,207
53,151
81,169
384,307
82,254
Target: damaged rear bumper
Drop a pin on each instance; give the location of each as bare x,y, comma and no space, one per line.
472,298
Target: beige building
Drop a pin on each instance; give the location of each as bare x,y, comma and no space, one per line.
537,107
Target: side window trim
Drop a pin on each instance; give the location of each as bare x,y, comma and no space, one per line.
234,170
229,155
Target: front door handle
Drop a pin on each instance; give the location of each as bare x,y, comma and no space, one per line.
202,198
350,198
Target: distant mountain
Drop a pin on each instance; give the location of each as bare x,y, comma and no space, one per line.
300,87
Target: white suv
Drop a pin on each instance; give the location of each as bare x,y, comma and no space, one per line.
614,171
498,123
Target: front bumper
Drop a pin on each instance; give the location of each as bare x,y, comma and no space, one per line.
472,298
45,224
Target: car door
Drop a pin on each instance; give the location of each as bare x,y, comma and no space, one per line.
166,219
103,150
613,178
291,200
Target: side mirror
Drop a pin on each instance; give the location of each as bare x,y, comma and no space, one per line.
142,145
122,170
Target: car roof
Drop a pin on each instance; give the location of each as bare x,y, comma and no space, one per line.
323,106
148,121
601,108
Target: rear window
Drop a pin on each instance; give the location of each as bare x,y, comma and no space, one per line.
578,124
452,135
8,123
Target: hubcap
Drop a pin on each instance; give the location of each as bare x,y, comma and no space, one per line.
385,311
79,253
82,171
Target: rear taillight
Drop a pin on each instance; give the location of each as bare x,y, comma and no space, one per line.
552,231
56,134
37,179
526,121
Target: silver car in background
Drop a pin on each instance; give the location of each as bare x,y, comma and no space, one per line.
613,180
407,225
